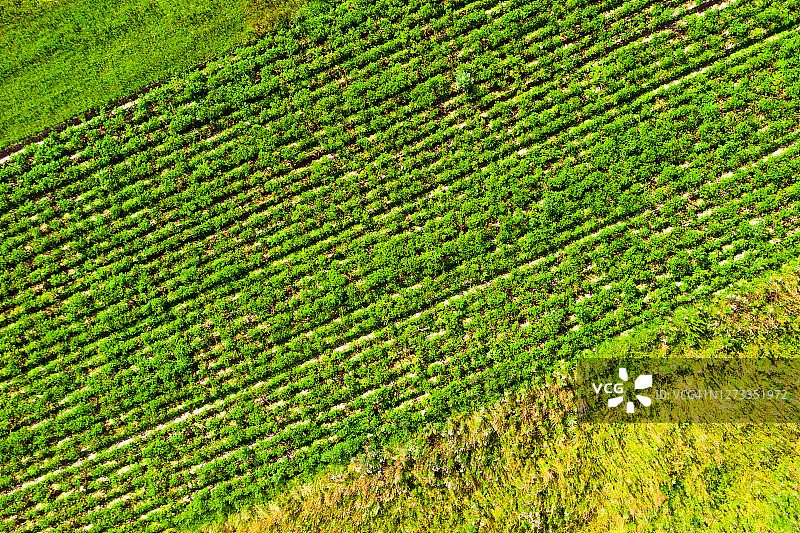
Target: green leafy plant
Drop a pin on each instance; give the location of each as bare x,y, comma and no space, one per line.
464,81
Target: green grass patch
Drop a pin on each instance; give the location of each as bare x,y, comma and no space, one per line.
527,464
61,58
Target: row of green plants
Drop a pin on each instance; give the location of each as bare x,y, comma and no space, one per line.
528,459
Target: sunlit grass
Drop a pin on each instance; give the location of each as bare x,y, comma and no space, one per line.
61,58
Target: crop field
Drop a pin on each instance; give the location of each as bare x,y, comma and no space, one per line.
322,240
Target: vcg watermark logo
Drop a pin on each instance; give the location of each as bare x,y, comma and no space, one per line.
644,381
698,390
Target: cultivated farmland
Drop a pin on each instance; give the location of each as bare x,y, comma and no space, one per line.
323,240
